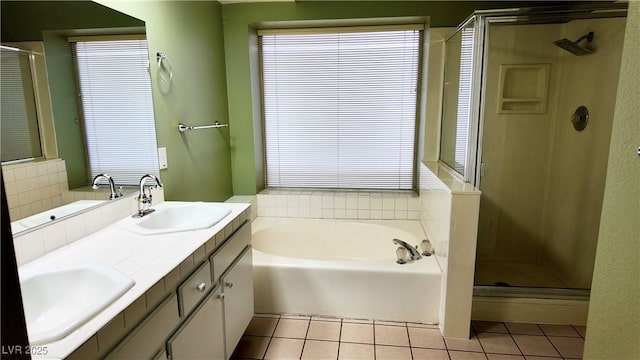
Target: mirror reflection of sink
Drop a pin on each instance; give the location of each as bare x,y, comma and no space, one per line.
177,216
59,301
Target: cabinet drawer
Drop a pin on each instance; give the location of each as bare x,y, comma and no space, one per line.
149,337
192,290
230,250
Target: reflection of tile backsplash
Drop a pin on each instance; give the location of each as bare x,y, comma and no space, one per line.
364,205
35,186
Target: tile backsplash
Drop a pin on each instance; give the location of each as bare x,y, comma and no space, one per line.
33,187
330,204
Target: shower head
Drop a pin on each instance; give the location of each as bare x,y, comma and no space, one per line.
574,47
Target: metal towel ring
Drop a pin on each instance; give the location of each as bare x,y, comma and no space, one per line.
162,59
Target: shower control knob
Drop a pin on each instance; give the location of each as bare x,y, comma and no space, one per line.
229,284
201,287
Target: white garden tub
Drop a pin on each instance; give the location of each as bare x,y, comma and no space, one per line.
342,268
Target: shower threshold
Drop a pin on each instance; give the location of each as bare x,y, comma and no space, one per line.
529,292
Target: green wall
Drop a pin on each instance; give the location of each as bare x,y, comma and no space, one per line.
614,309
190,34
240,22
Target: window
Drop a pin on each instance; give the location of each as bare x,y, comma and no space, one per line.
117,108
340,107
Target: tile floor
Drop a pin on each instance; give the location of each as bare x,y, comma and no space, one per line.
295,337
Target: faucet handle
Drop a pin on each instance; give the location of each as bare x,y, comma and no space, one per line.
401,254
427,248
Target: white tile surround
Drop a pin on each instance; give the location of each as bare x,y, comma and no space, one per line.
33,244
33,187
449,216
330,204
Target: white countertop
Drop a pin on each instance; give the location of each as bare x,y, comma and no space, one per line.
146,259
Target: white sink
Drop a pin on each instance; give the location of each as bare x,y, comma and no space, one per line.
177,216
58,301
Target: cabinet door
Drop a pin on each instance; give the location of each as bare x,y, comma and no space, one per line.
201,336
237,287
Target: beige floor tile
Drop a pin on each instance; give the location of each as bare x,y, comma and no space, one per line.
357,333
535,345
505,357
284,349
488,326
524,329
324,330
466,355
498,343
540,358
464,344
426,338
391,335
251,347
261,326
392,353
349,351
429,354
292,328
582,330
569,347
320,350
559,330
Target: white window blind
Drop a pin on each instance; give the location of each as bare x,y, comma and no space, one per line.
117,108
19,125
464,99
340,108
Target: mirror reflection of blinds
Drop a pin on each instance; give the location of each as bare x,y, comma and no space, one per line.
20,134
340,108
117,108
464,99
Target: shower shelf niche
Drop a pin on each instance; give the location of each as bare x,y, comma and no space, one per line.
523,89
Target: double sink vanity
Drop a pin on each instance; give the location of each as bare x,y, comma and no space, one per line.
174,284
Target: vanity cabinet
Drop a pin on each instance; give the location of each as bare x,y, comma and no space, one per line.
205,313
237,284
201,336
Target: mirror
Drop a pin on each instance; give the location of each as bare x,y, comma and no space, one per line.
59,162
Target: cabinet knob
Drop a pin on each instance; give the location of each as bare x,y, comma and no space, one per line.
201,287
229,284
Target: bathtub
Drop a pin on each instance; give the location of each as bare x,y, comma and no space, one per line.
342,268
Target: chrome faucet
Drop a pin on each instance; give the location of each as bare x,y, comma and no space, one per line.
144,200
114,193
415,254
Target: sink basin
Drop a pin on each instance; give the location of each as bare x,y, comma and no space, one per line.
177,216
57,302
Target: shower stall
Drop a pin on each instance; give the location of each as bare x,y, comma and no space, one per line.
528,104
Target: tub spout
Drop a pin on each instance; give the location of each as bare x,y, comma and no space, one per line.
415,254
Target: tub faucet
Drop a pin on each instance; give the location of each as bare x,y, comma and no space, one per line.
415,254
144,200
114,193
